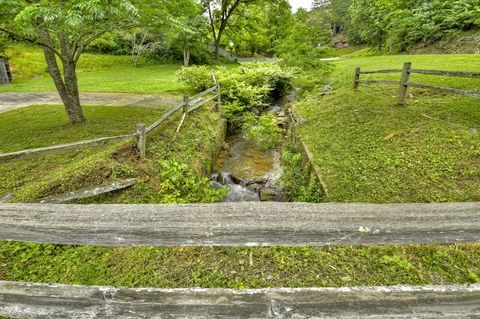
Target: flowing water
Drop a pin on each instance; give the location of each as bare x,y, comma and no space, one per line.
250,172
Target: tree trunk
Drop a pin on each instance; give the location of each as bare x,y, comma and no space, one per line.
380,40
186,57
67,86
72,103
217,48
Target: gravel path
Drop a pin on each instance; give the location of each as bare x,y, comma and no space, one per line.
13,101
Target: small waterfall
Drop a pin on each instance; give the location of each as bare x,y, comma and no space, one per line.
238,192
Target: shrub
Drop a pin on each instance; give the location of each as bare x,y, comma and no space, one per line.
247,88
198,78
277,78
180,184
3,46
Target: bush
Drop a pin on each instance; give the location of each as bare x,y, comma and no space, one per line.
198,78
247,88
277,78
180,184
3,46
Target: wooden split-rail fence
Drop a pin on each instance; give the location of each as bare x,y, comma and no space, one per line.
188,105
6,76
247,225
405,82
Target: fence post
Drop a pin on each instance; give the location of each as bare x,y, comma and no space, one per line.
357,78
407,67
142,140
186,104
219,98
4,79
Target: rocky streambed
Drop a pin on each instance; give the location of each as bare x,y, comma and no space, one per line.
250,172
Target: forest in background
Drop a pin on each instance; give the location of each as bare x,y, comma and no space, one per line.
183,30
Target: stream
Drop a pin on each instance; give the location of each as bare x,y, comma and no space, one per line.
250,172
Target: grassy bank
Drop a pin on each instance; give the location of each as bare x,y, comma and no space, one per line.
185,158
372,150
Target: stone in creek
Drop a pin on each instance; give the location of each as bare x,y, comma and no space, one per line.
268,195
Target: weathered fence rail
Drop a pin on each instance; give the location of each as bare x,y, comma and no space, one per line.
189,105
27,300
43,151
241,224
88,192
405,82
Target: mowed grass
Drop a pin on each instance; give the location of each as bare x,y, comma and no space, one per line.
45,125
96,73
372,150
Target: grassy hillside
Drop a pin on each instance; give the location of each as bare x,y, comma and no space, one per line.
372,150
96,72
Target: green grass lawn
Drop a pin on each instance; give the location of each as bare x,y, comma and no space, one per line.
45,125
96,73
372,150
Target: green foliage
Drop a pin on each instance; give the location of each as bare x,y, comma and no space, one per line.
401,24
240,268
198,78
4,44
299,183
245,88
306,41
180,184
264,130
109,43
249,88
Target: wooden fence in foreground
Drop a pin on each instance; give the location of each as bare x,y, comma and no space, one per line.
240,224
189,105
405,82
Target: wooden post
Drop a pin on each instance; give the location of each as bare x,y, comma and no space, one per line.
357,78
407,67
186,106
4,78
142,140
219,98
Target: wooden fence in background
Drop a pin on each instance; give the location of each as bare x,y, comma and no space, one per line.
405,82
240,224
189,105
6,75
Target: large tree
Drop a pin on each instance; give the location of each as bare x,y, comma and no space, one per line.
220,12
64,29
